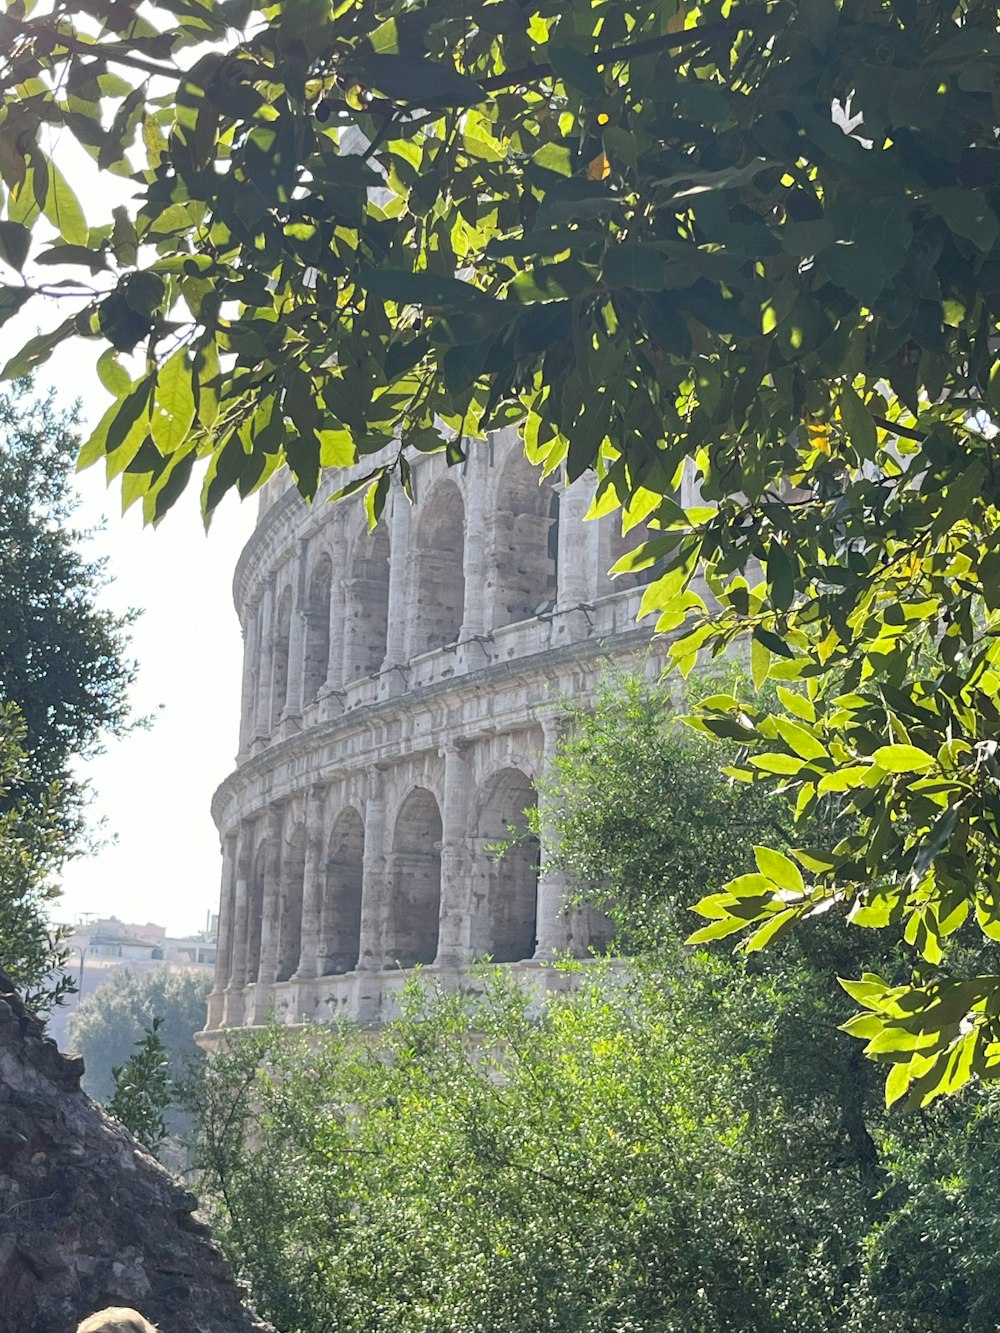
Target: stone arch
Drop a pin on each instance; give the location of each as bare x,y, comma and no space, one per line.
439,601
255,911
279,661
414,882
523,565
317,629
293,869
366,604
341,924
507,884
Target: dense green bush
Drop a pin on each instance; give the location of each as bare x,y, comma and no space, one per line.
619,1161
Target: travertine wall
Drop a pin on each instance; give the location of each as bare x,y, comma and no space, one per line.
401,697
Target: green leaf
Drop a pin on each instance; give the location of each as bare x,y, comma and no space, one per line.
62,208
781,572
407,288
770,930
418,81
576,68
902,758
859,423
15,242
760,662
11,301
173,405
967,214
803,742
779,869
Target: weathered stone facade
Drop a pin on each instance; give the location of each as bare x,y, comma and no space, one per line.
401,696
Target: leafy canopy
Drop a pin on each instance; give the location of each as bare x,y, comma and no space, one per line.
759,235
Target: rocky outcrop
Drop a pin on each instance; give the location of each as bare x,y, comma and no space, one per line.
87,1219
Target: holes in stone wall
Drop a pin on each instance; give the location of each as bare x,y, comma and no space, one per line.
509,881
524,556
316,659
366,605
440,577
293,867
414,879
341,928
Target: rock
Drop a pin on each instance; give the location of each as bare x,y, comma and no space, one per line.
87,1218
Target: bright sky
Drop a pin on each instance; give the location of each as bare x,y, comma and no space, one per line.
162,861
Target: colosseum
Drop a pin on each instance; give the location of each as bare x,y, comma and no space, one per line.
402,692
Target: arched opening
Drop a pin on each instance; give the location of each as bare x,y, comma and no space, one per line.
522,578
366,605
293,869
511,877
255,913
317,644
341,928
440,575
279,667
415,880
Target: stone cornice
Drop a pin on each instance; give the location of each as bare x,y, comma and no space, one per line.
547,667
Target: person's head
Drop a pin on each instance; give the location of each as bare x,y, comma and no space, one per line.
116,1319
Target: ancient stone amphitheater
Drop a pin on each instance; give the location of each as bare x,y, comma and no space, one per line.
402,693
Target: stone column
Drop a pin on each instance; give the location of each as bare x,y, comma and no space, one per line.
398,636
474,567
265,662
311,942
224,945
338,610
296,635
248,699
574,585
241,921
453,921
373,885
553,927
271,912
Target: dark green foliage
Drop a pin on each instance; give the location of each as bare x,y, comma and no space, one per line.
34,844
635,1159
142,1090
112,1018
610,1164
63,681
645,817
62,657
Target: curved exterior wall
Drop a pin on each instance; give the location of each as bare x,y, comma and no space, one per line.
400,699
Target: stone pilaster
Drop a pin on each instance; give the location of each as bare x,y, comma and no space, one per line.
248,699
271,912
553,927
265,662
453,922
398,636
241,922
224,945
574,501
373,885
338,610
296,635
474,556
312,888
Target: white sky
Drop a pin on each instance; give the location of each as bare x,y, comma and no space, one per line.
154,787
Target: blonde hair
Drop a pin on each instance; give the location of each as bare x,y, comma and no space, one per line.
116,1319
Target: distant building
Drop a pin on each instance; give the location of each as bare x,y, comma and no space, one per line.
102,946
